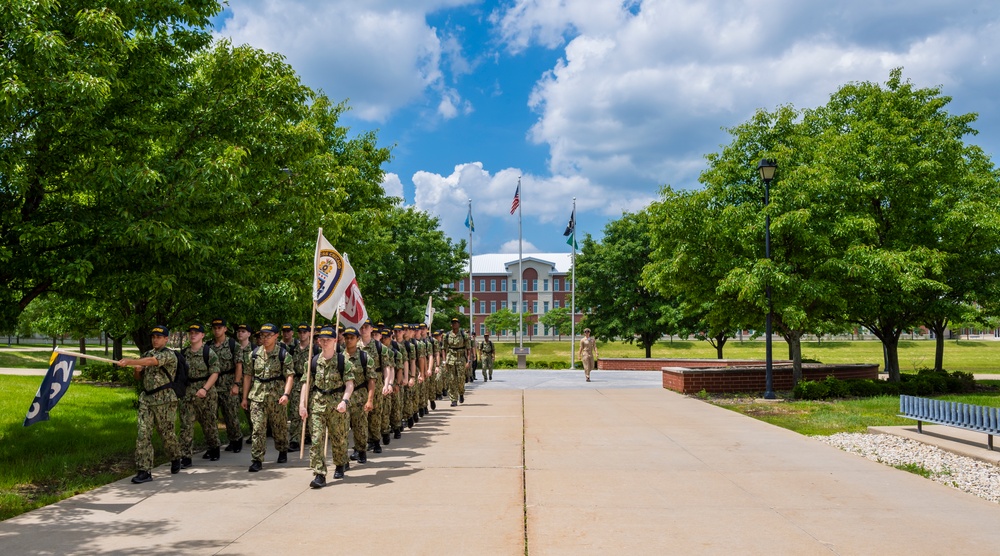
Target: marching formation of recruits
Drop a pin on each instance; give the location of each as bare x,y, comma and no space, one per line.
371,384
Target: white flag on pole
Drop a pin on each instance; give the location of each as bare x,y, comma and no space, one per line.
429,313
333,274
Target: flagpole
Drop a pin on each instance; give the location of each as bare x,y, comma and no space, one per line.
520,272
85,356
572,311
312,334
471,281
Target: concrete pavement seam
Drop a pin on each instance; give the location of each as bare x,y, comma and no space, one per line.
262,520
524,476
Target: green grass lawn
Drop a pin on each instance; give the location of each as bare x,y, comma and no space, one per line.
89,441
959,355
830,417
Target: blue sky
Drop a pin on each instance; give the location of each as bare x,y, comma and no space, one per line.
602,100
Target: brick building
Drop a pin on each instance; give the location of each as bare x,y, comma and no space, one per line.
547,284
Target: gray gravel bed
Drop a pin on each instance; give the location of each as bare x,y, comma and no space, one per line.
967,474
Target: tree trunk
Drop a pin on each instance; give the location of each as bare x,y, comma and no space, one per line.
939,327
720,342
794,341
83,349
116,349
891,344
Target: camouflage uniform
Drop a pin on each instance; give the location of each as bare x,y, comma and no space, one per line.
420,399
205,410
488,350
396,401
376,360
268,373
157,410
228,353
243,355
456,346
409,397
385,420
441,382
359,419
326,391
301,359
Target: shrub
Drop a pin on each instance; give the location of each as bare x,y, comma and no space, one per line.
811,390
837,388
864,388
106,372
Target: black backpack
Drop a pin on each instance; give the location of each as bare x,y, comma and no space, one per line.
180,382
315,361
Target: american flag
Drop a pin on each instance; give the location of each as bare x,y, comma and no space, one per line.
517,198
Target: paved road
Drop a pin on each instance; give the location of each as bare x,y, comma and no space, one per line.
525,467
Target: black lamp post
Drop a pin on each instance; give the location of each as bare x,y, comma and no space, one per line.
766,167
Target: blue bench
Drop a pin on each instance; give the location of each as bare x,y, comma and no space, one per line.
967,416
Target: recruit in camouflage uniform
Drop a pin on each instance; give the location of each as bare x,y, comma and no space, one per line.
227,387
157,404
388,389
268,372
486,352
244,348
421,391
376,359
410,399
428,398
457,345
361,399
399,385
200,402
330,390
301,358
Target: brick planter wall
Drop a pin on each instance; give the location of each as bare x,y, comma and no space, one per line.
751,378
629,364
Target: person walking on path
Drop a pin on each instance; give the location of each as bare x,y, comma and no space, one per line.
228,387
269,370
155,370
457,361
200,402
330,389
588,352
486,352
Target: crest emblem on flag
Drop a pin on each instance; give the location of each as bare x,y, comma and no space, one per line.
329,273
54,385
352,310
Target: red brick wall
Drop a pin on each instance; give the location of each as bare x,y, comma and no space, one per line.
628,364
689,380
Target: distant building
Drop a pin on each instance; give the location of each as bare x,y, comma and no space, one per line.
546,283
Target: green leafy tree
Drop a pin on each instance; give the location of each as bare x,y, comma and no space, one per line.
501,320
915,215
420,261
609,283
559,319
692,250
81,85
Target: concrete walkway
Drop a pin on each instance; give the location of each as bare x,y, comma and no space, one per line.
526,467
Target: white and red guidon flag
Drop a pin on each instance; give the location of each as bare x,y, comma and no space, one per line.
353,312
332,275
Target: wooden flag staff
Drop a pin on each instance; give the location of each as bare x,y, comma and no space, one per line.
85,356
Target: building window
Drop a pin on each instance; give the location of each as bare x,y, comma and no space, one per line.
482,306
555,303
493,285
525,284
513,306
534,308
503,285
534,330
534,285
482,285
545,307
513,285
555,284
545,285
493,306
482,329
461,286
461,309
503,304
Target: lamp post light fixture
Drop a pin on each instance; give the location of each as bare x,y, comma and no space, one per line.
767,167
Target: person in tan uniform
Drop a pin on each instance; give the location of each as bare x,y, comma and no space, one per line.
588,352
